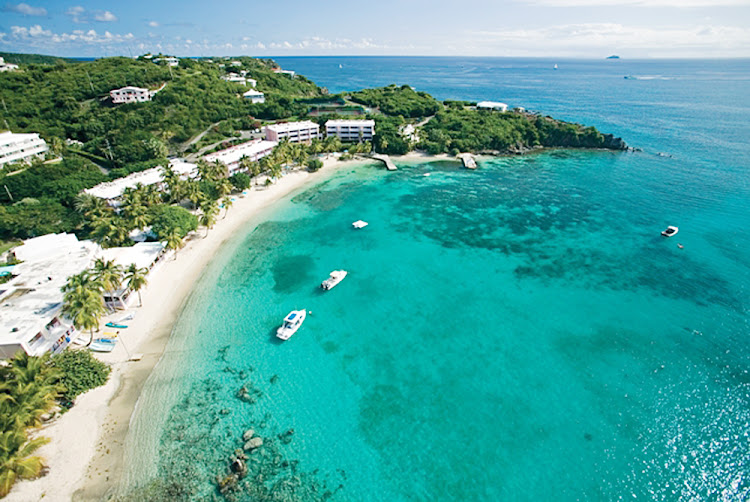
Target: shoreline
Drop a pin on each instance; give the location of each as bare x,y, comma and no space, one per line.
86,449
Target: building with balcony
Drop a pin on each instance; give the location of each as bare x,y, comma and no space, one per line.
20,147
492,106
111,191
131,94
168,60
254,96
31,302
7,66
231,157
294,132
351,130
238,79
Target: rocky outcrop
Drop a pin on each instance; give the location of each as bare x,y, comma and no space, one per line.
612,143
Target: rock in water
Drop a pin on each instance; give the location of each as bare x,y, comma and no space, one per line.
254,443
248,434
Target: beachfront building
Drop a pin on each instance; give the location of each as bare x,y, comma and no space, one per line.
31,302
131,94
142,255
351,130
294,132
111,191
7,66
492,106
253,150
20,147
254,96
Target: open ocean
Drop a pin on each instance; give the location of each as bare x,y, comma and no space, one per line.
520,332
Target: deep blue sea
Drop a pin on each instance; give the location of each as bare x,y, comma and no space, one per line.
518,332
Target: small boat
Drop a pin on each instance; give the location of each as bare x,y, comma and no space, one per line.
114,325
426,174
555,67
360,224
103,345
292,322
670,231
334,278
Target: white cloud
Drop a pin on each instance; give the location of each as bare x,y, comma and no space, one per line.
36,36
105,16
76,13
25,9
640,3
153,24
81,15
581,39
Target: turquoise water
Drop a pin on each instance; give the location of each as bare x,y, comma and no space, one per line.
519,332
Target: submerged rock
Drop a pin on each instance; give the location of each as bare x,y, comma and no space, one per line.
248,434
254,443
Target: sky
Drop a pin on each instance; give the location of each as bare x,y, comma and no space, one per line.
503,28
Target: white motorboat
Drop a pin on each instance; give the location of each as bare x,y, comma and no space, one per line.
360,224
670,231
292,322
334,278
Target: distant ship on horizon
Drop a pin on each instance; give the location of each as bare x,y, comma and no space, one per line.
613,57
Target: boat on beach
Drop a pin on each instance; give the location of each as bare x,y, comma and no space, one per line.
670,231
292,323
115,325
334,278
103,345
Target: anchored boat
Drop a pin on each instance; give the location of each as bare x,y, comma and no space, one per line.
334,278
670,231
291,324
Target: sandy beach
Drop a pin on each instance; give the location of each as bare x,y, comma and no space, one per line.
85,453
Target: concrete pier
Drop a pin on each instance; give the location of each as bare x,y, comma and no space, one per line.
386,160
468,160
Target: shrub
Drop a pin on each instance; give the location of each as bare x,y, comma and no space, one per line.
80,372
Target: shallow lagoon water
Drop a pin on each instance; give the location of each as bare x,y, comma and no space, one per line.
519,332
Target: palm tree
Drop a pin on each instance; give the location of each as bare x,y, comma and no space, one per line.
223,186
208,218
193,193
174,240
16,461
136,278
83,302
227,202
90,206
109,275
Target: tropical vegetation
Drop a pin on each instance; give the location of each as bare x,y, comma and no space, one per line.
30,388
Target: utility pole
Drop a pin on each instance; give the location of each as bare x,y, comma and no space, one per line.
5,107
9,195
90,83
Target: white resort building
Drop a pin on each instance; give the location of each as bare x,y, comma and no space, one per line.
351,130
31,303
254,96
20,147
7,66
111,191
294,132
253,150
492,105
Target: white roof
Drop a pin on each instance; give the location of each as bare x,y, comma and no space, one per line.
235,153
252,92
130,88
292,126
491,104
143,254
344,122
33,299
113,189
7,137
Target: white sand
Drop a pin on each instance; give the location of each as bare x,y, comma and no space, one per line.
85,452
